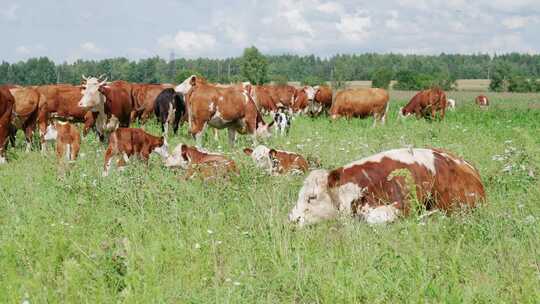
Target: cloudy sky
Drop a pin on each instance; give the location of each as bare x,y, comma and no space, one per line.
66,30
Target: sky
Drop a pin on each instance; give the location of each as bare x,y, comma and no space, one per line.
66,30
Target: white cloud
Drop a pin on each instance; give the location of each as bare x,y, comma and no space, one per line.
330,8
10,12
355,27
293,13
91,48
189,43
517,22
22,50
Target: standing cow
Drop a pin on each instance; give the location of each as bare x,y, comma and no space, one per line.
361,103
144,97
322,100
426,104
6,107
25,112
482,101
169,108
378,188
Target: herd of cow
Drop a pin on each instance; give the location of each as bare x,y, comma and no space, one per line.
371,188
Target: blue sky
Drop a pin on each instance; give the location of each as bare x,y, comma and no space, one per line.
66,30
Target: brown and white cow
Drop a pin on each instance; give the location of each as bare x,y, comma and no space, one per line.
282,95
482,101
426,104
125,142
144,97
263,100
200,163
6,107
377,188
232,108
25,111
322,100
303,98
276,162
361,103
67,137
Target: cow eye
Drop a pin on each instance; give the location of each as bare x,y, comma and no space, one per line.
310,198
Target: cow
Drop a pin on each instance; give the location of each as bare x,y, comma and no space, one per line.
263,100
276,162
62,102
169,108
67,137
25,112
302,99
282,121
361,103
125,142
482,101
426,104
6,107
144,98
111,100
201,163
232,108
323,98
451,104
384,186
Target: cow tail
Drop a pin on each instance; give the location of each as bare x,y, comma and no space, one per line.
386,109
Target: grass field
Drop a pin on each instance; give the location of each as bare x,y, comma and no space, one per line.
146,236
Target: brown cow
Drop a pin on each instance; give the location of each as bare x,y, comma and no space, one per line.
277,162
125,142
144,98
322,100
482,101
25,112
361,103
62,101
426,104
263,100
6,107
199,162
382,187
232,108
67,137
303,98
282,95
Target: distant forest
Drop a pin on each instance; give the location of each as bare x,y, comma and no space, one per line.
307,69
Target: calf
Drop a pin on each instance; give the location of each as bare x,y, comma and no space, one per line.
67,137
482,101
426,104
282,122
184,155
169,109
126,142
380,188
451,104
277,162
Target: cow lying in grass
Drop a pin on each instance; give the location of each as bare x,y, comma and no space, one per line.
382,187
125,142
276,162
200,163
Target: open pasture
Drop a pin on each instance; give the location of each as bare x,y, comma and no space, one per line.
146,235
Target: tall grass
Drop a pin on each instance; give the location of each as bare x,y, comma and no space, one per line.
145,235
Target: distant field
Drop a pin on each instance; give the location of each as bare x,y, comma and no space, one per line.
146,236
478,85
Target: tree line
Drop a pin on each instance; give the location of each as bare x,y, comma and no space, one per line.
508,72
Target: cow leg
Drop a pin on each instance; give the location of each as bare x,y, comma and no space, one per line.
109,154
89,122
375,117
232,136
28,133
216,134
75,151
197,131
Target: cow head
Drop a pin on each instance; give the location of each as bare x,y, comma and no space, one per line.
91,95
314,202
261,157
178,158
51,133
263,129
163,148
186,85
403,113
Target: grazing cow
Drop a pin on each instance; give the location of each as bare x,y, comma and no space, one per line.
382,187
361,103
25,112
67,137
125,142
426,104
282,95
277,162
451,105
322,100
144,98
113,100
482,101
263,100
302,99
282,122
184,156
62,101
169,109
232,108
6,107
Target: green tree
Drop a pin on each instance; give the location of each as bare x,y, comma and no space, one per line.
500,74
382,78
313,80
254,66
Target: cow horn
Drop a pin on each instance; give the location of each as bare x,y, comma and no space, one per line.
102,75
103,82
84,77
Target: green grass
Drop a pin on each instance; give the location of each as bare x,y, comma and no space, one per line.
145,235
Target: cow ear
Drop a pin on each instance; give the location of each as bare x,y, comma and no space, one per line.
193,80
334,177
248,151
272,153
184,152
272,123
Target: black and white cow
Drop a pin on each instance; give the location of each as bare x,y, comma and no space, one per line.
282,121
169,109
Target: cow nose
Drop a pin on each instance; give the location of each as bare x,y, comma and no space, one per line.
294,219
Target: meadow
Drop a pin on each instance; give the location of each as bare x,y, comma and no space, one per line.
145,235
